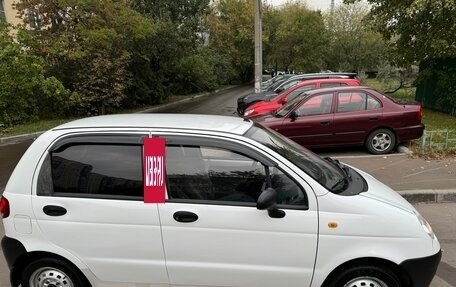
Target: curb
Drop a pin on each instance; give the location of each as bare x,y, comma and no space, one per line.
429,195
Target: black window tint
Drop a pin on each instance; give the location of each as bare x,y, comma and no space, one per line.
98,170
206,173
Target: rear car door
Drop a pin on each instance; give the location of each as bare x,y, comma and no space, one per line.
88,201
357,113
214,235
312,122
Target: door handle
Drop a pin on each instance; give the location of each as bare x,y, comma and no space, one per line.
185,216
324,123
373,118
54,210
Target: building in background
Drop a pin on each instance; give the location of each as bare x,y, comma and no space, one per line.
7,12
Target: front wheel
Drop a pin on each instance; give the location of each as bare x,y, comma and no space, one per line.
47,272
366,276
381,141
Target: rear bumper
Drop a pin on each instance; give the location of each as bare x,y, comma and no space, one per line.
421,271
409,133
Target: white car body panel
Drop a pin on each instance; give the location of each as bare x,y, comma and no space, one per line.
129,243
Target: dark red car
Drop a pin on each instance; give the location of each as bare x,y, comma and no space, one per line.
273,104
347,116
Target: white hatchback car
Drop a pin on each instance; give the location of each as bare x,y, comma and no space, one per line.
244,207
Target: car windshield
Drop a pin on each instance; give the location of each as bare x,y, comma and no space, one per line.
289,106
321,170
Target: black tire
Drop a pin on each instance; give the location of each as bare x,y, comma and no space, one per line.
55,271
381,141
368,276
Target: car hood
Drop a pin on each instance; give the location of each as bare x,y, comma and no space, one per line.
380,192
266,119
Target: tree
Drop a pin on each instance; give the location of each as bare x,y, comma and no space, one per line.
179,32
354,45
87,45
300,38
420,29
25,92
231,33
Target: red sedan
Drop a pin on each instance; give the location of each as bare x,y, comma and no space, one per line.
268,106
347,116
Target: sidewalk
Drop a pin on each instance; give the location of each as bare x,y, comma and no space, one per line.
416,179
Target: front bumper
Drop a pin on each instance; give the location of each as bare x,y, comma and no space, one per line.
421,271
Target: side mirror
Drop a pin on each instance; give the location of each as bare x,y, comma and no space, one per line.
283,101
268,200
293,116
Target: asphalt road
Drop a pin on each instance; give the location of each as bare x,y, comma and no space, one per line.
441,216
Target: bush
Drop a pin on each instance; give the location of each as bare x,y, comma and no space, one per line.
25,92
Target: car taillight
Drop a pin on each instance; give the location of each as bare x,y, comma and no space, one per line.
4,207
420,113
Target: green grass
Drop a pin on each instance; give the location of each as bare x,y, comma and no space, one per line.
38,126
438,121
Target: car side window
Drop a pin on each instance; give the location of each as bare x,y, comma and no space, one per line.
317,105
224,176
95,170
298,91
334,84
354,101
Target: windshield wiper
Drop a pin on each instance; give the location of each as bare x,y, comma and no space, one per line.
345,172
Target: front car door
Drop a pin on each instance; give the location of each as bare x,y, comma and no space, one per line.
213,233
312,122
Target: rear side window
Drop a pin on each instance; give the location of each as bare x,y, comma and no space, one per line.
354,101
95,170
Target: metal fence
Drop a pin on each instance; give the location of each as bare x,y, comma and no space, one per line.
438,139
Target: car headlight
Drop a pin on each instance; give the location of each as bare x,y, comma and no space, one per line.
426,226
248,112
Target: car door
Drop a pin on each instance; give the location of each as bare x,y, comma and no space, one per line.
356,115
311,123
214,235
88,201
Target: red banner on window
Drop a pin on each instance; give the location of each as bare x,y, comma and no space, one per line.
154,170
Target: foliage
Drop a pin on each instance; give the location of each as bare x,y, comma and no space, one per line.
300,38
179,33
421,29
231,30
25,91
194,75
354,45
87,46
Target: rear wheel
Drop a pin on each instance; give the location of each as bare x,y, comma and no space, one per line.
381,141
51,272
366,276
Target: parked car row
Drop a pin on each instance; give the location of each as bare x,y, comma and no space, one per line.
345,114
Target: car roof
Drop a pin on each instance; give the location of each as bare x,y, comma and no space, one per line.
324,76
325,80
212,123
333,89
